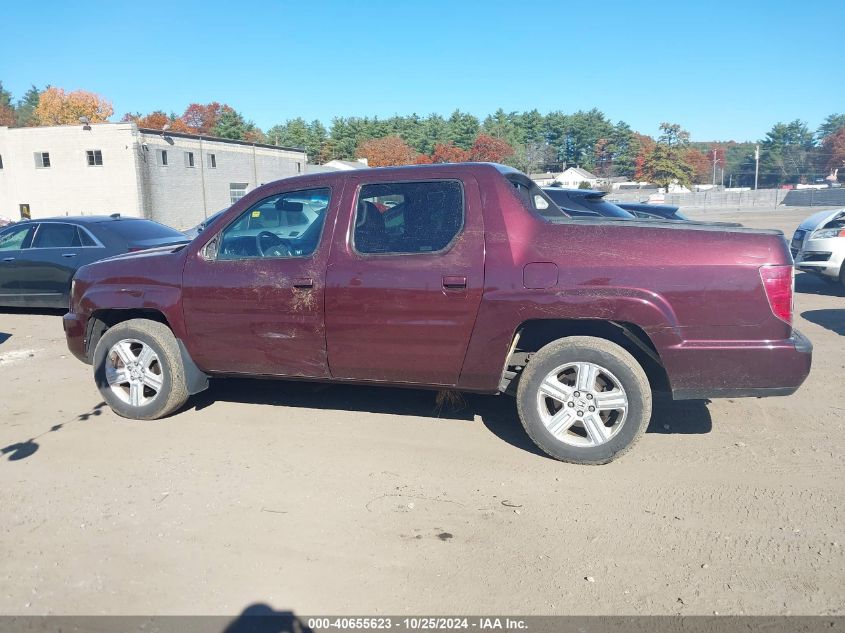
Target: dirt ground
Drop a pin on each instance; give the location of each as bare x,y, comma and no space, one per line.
351,500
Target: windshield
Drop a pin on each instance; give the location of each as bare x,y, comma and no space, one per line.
579,204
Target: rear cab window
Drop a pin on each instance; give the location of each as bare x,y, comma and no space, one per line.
406,218
533,198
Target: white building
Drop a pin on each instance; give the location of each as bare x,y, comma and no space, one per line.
545,179
572,178
177,179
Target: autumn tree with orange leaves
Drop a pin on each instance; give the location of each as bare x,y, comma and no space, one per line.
198,118
833,150
701,164
646,145
386,151
57,107
448,153
489,149
157,120
202,118
7,115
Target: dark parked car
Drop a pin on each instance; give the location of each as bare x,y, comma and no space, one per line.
585,203
652,211
463,277
38,258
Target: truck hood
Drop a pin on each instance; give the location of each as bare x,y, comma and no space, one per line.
142,271
817,220
148,253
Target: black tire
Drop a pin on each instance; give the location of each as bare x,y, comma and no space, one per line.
605,354
173,392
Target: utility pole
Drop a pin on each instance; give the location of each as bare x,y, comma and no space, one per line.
756,165
714,167
202,181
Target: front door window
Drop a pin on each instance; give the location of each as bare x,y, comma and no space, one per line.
285,225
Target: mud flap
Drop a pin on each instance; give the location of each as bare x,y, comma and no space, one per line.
195,379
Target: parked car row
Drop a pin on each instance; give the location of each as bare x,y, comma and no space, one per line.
580,203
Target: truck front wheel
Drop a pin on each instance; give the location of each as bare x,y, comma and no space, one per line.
584,400
139,371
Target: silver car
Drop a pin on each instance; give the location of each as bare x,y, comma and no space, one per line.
818,245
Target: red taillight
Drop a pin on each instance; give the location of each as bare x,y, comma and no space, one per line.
778,283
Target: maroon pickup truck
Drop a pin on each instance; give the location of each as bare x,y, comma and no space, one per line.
464,277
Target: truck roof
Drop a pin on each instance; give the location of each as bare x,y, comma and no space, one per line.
410,171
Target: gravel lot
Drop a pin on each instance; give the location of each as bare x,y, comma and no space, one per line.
349,500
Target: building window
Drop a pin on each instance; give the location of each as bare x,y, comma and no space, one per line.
42,159
212,161
95,158
162,157
298,168
189,159
1,161
237,190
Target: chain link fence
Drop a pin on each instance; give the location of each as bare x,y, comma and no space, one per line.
832,197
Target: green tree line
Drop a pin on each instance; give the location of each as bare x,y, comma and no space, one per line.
789,153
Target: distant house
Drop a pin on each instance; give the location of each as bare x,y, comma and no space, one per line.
612,182
544,179
574,176
346,165
571,178
337,165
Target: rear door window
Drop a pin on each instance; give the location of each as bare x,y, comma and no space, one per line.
56,235
408,217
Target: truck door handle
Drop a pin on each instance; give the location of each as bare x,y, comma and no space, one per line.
8,259
68,254
304,282
451,282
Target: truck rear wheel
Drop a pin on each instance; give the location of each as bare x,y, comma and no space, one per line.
139,371
584,400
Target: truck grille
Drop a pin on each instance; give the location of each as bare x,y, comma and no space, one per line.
797,241
815,256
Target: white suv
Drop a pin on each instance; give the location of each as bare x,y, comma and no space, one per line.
818,245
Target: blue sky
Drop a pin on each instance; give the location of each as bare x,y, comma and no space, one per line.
723,70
